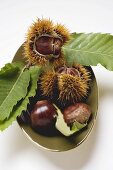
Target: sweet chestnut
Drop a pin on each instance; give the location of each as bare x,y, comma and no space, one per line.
79,112
42,115
68,70
47,45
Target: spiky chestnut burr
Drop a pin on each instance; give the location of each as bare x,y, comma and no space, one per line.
73,84
48,82
84,73
44,41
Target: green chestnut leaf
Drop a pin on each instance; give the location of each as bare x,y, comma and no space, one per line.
11,68
90,49
14,82
22,105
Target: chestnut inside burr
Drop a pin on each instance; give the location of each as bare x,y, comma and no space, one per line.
66,70
47,45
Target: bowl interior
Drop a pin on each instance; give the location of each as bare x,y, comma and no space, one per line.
60,142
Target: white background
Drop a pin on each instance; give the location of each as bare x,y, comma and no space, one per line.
96,153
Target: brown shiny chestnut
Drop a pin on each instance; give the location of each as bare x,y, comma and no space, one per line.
43,115
79,112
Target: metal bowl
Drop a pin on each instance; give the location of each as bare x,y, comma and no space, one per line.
60,142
